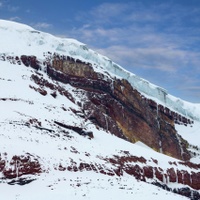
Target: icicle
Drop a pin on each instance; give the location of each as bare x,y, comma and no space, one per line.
157,117
176,177
154,175
179,142
164,179
112,85
183,178
168,179
160,145
106,122
17,168
192,194
190,179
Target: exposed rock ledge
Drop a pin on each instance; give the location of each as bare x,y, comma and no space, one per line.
114,104
119,108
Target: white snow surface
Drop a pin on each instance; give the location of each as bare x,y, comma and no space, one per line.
17,139
53,150
21,39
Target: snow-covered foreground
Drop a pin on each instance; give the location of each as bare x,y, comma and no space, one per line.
85,185
55,148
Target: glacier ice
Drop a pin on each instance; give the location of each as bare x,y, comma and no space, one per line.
22,39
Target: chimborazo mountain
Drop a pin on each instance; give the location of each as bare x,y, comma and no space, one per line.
76,125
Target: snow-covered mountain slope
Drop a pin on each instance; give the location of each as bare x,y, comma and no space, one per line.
28,130
51,149
33,42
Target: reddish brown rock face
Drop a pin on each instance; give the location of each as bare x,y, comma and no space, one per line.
30,61
172,175
19,166
195,177
115,105
120,109
138,168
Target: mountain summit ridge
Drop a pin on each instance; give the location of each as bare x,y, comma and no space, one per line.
33,42
64,108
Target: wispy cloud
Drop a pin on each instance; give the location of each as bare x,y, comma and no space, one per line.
13,8
163,38
107,11
8,7
132,46
162,59
42,25
16,18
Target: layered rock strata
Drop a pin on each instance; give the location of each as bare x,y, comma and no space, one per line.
113,103
119,108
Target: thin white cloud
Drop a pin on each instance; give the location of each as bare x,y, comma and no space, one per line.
13,8
193,88
42,25
153,38
6,5
143,49
106,10
16,18
162,59
146,42
28,11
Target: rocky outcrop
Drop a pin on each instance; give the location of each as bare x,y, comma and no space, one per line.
143,170
19,166
78,130
113,103
135,166
30,61
121,109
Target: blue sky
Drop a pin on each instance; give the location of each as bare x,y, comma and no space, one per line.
157,40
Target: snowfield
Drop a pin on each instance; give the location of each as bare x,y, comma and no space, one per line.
24,111
85,186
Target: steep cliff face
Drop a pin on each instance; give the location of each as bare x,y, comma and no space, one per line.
117,107
114,104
